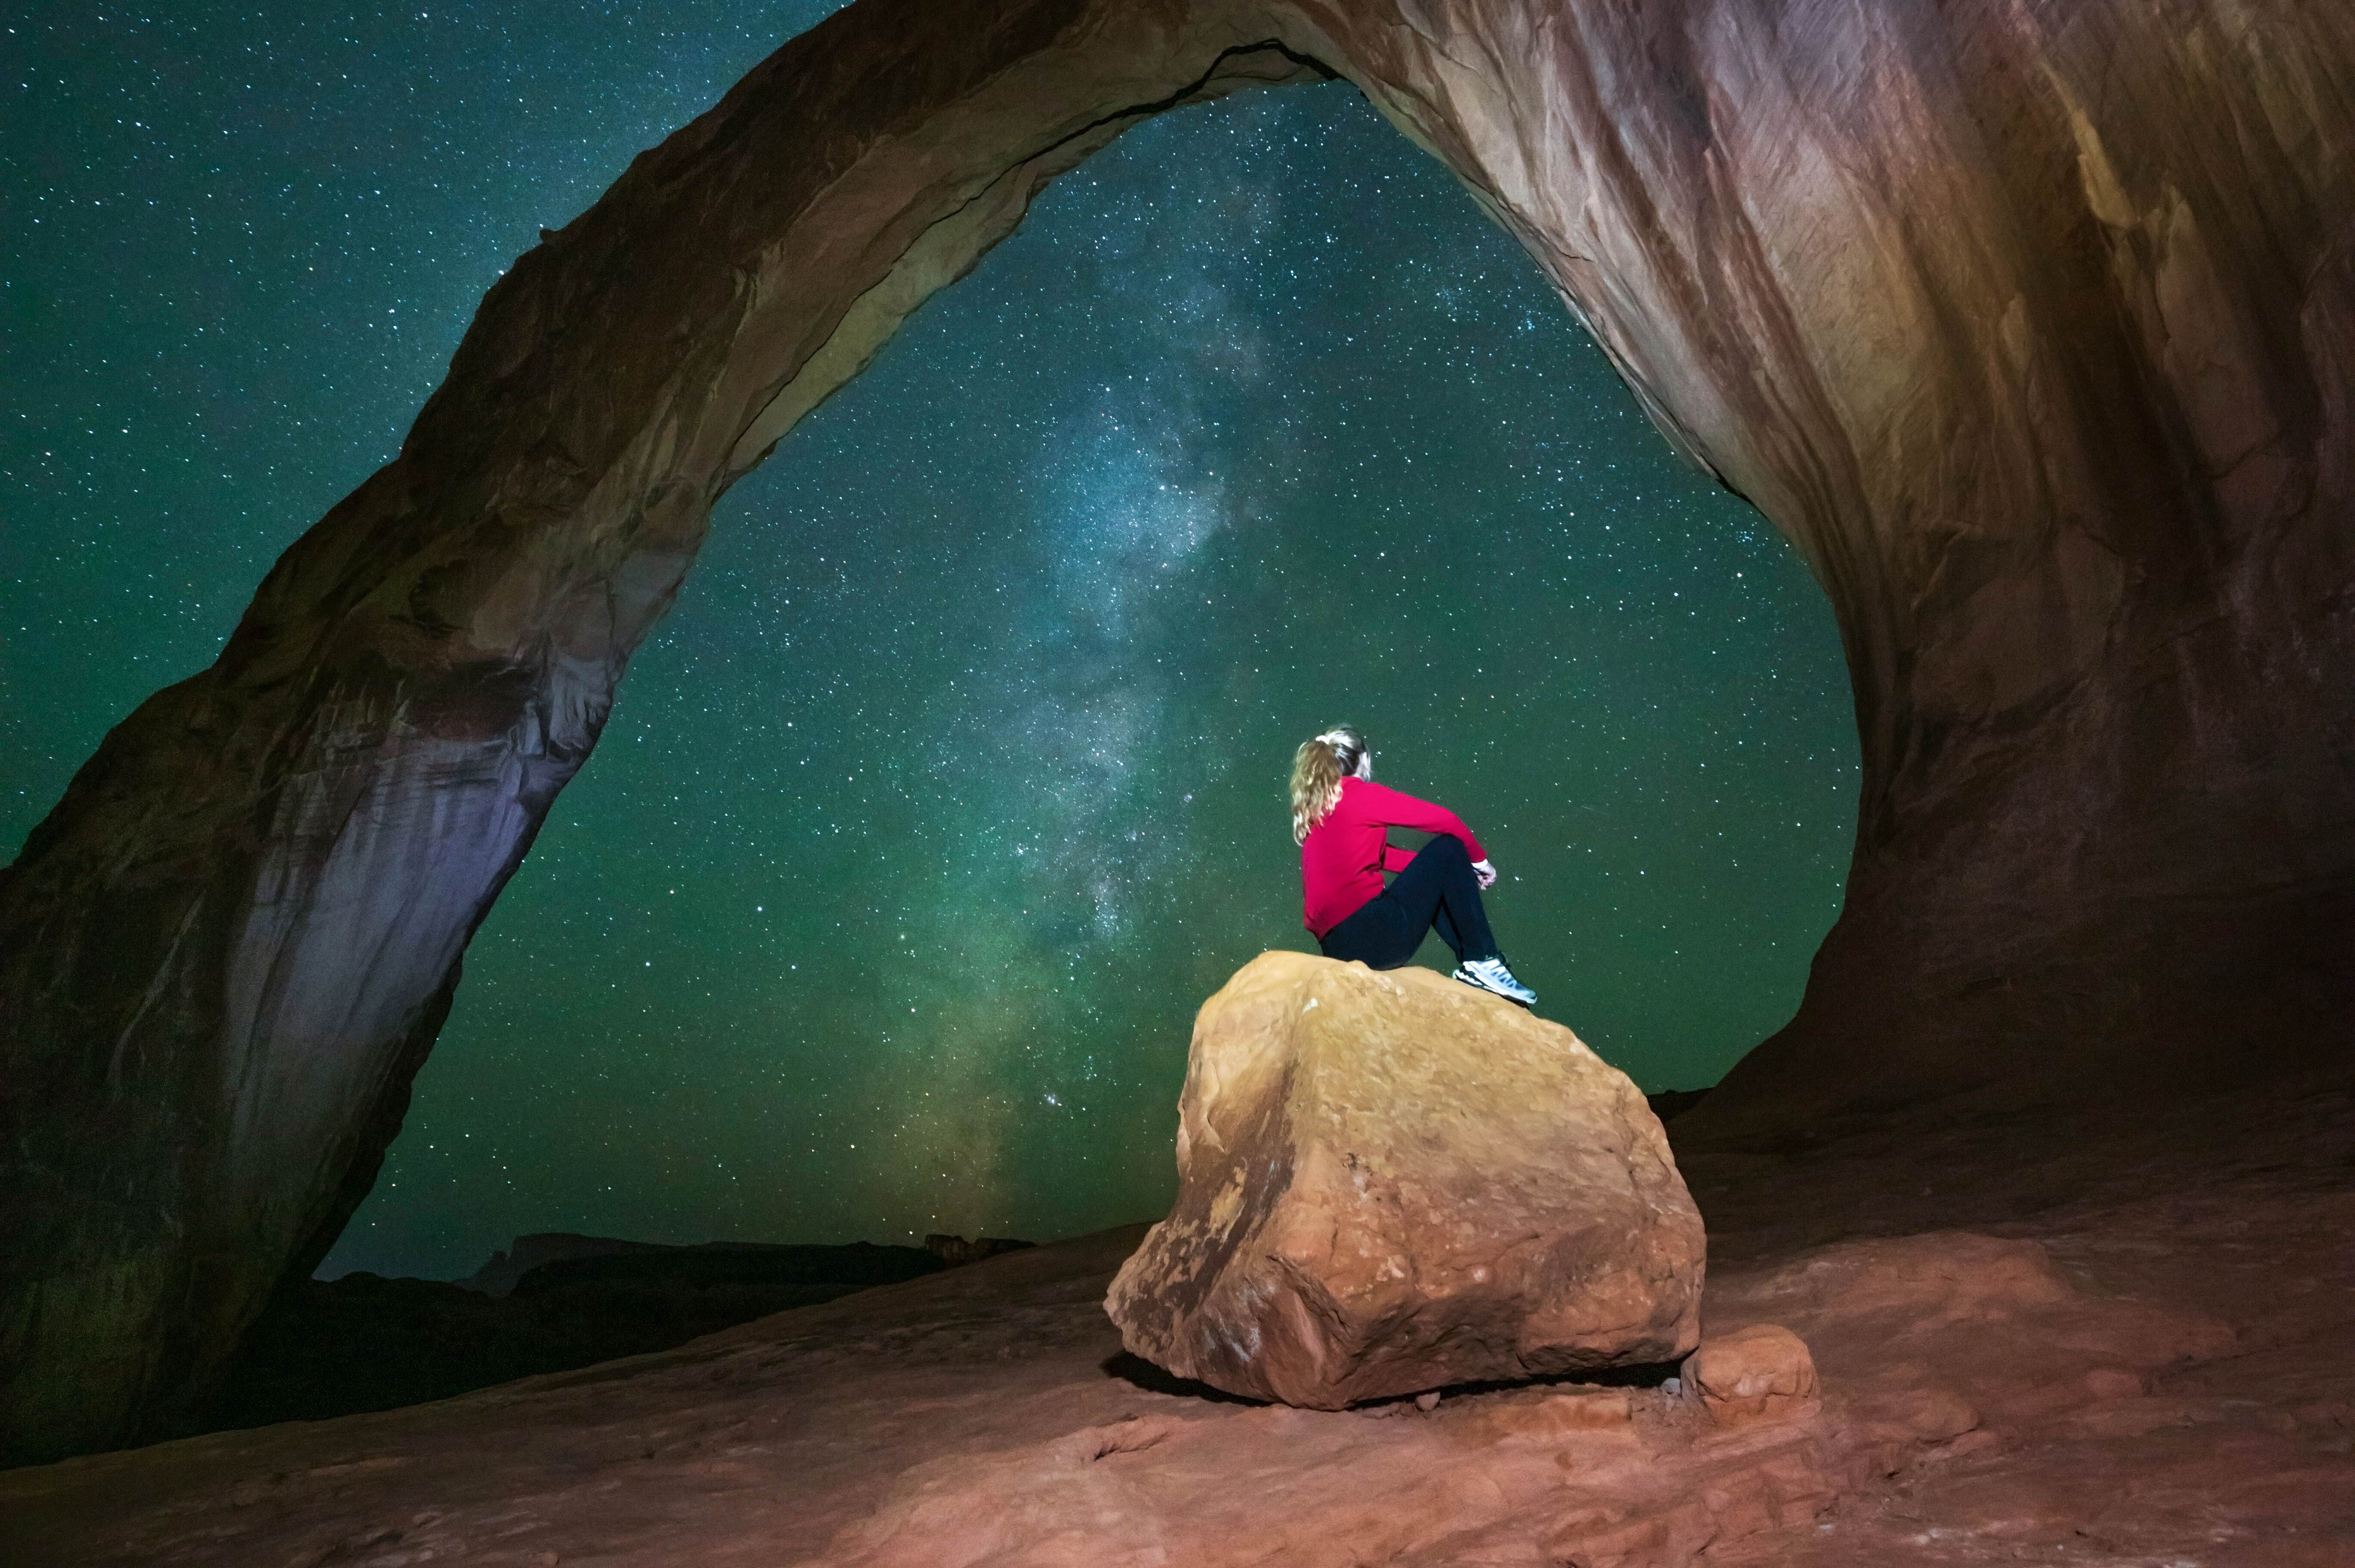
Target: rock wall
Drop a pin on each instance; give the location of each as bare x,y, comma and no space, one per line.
2032,328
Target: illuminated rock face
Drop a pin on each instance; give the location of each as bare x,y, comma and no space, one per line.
2032,328
1395,1182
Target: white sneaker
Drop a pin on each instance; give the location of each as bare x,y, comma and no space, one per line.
1491,974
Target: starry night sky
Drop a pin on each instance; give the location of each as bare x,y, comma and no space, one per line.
955,783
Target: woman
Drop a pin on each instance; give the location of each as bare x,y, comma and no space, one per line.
1340,818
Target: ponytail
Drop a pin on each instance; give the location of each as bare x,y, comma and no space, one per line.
1318,769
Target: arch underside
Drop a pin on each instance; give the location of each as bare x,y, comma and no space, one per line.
2032,333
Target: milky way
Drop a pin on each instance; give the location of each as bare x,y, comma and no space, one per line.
954,781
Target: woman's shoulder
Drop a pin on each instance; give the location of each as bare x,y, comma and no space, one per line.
1348,802
1383,800
1367,800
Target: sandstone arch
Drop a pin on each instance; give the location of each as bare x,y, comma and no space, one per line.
2032,328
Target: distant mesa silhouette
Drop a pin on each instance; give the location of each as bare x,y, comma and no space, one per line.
498,1277
568,1257
956,1251
550,1302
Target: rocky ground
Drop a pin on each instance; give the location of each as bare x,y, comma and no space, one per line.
2104,1336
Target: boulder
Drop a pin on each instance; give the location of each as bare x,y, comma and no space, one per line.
1763,1372
1390,1181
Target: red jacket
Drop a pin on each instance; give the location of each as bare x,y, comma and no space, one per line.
1344,856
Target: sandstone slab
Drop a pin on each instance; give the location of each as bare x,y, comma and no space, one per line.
1391,1181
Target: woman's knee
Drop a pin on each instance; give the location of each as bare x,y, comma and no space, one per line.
1446,847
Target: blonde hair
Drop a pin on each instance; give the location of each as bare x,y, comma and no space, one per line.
1318,769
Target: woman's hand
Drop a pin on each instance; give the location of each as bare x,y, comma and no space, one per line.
1486,873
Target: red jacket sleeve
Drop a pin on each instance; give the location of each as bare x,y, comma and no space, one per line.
1393,809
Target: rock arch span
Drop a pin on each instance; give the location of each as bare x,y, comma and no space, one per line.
2032,328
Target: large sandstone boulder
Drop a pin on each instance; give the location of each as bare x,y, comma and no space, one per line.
1391,1181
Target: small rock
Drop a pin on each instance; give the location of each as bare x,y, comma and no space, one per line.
1429,1400
1763,1372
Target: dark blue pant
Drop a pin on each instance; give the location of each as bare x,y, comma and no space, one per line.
1438,890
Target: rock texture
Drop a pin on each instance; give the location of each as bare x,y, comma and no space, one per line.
2139,1350
2033,327
1388,1182
1761,1373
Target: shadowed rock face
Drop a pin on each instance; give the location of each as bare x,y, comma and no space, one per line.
2033,330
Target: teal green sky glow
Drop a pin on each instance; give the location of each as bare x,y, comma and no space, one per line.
954,781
